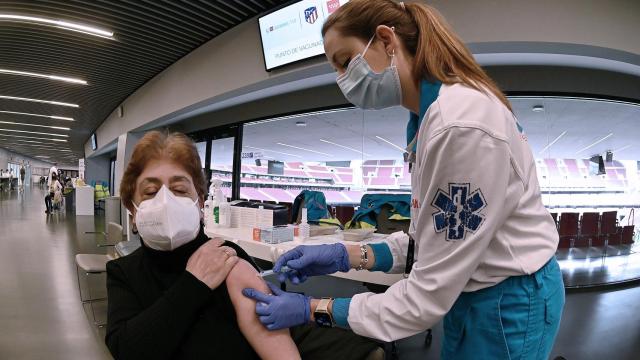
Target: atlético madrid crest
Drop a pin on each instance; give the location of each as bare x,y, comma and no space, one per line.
311,15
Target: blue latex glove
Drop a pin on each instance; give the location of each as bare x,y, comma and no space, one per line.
305,261
282,309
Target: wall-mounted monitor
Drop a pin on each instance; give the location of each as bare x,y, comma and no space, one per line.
275,168
596,165
293,33
94,142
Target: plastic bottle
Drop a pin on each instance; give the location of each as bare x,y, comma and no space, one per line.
304,226
217,197
224,210
208,212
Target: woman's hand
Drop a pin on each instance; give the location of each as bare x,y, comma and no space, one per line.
212,262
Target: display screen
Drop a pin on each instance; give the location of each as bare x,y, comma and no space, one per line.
293,33
94,143
275,168
596,166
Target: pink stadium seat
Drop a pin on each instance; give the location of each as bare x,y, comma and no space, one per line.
552,167
334,197
297,173
248,193
572,167
278,195
347,179
318,168
319,175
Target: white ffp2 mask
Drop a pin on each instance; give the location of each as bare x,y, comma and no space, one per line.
167,222
367,89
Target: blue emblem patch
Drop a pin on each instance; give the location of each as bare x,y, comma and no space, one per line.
458,211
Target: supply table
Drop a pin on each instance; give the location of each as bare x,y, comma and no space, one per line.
271,252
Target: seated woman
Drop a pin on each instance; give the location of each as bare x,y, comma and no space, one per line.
179,295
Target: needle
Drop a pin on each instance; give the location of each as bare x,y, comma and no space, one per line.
262,274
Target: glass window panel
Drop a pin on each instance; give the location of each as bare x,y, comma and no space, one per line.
587,164
337,152
202,151
222,163
318,151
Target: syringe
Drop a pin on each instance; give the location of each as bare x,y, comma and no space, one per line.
262,274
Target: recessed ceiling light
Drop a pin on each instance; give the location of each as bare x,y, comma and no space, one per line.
32,137
273,151
553,142
595,143
301,123
42,157
34,144
345,147
38,115
537,108
44,76
301,148
34,132
288,117
622,148
90,30
45,126
392,144
39,101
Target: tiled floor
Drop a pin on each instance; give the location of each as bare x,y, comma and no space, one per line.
41,316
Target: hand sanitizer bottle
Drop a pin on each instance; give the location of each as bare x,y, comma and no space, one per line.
208,212
224,210
304,226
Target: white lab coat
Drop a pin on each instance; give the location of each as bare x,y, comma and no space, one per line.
475,168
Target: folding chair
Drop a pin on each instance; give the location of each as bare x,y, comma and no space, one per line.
588,230
91,264
94,264
608,228
568,229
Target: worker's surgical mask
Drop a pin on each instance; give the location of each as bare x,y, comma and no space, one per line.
367,89
167,222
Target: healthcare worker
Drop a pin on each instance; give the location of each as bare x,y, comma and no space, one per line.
484,242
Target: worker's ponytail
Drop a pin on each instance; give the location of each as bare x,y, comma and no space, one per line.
438,53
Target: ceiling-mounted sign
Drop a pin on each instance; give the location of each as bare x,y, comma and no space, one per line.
293,33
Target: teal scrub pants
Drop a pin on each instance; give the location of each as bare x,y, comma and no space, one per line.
517,319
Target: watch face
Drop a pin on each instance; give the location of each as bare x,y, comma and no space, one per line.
323,319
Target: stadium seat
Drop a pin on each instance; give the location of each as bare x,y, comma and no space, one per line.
588,229
568,230
627,234
608,229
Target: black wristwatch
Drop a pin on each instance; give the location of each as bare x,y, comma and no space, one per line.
322,315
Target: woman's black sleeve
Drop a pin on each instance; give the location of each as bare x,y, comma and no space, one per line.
155,332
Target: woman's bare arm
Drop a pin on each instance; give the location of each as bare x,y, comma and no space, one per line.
268,344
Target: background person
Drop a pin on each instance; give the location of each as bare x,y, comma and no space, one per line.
52,170
10,179
54,187
23,173
484,242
